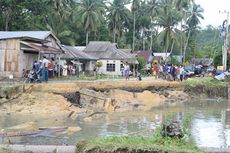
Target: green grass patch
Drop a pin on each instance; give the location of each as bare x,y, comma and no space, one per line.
3,150
207,81
152,143
206,86
86,77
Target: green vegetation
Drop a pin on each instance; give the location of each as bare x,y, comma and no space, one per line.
6,150
207,81
206,86
78,22
154,143
87,77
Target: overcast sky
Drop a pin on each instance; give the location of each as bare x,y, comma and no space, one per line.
211,11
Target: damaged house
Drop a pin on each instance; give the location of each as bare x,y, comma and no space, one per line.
19,49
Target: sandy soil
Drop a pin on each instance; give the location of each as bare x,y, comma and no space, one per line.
40,99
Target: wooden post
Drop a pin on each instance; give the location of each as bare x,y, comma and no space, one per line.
59,67
228,93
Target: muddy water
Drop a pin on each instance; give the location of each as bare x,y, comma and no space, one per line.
210,124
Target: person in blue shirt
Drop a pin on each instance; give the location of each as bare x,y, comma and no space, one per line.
165,69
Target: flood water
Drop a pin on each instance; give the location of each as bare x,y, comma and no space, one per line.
210,124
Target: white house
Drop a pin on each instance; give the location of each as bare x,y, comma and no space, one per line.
113,59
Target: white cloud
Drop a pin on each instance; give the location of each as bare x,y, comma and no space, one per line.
211,11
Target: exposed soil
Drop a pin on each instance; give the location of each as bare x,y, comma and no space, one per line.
207,91
72,98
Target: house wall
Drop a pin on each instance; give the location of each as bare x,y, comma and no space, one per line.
90,65
27,60
9,57
117,71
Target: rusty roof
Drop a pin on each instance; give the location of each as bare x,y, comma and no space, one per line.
42,48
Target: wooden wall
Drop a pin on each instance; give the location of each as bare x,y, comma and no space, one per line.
9,59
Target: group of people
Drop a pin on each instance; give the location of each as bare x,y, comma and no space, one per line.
168,72
45,69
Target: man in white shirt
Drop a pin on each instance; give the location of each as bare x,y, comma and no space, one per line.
45,63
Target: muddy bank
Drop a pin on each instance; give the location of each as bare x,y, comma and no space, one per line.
207,87
202,90
90,97
10,91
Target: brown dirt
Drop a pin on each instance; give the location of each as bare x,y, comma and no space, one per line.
42,100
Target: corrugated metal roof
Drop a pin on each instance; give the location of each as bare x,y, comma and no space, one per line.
107,50
41,48
20,34
99,46
76,53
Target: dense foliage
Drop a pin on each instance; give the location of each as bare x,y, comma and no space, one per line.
163,25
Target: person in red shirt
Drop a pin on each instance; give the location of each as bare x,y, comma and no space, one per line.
155,70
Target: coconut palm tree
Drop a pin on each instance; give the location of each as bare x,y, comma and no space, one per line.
90,12
117,16
153,12
56,20
135,7
168,18
195,14
183,6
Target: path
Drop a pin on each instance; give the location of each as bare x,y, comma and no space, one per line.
41,148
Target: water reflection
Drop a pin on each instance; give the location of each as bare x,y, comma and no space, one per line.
210,125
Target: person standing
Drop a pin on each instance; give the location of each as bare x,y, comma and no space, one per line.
165,69
37,69
65,70
155,70
181,73
45,63
51,68
126,72
172,70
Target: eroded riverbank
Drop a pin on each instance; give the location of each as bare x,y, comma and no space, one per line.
103,109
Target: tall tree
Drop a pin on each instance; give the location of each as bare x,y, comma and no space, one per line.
135,7
117,16
195,14
90,12
153,12
168,18
183,6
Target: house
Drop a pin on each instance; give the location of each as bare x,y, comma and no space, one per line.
19,49
75,55
113,59
162,56
148,56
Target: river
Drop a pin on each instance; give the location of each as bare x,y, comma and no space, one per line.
210,126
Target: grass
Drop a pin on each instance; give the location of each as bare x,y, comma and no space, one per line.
206,86
151,143
155,142
3,150
87,77
207,81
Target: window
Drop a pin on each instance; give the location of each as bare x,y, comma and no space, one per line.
110,67
122,67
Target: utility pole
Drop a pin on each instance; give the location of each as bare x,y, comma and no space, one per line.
225,47
226,43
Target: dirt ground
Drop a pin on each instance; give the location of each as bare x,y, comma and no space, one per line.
43,98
